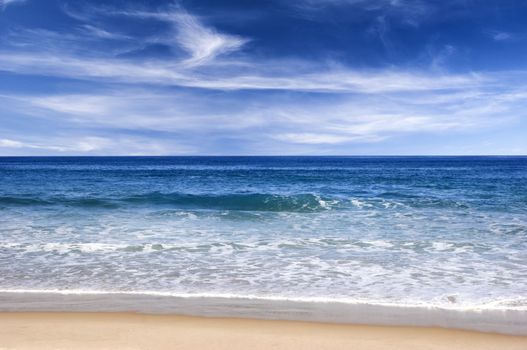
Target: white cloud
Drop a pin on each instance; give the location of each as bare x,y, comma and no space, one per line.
8,143
202,43
85,144
95,145
11,143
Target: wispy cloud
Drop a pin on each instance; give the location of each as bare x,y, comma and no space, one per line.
5,3
84,145
441,56
96,145
11,143
323,138
381,29
202,43
259,77
149,122
102,33
501,36
363,118
410,12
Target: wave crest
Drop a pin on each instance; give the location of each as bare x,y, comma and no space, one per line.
243,202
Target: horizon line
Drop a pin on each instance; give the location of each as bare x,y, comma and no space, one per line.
265,156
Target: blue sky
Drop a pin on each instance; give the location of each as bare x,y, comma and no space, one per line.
310,77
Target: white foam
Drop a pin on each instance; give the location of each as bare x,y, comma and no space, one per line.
440,246
379,243
518,304
490,318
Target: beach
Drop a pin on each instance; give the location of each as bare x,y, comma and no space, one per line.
59,330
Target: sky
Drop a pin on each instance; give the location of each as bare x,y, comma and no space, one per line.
276,77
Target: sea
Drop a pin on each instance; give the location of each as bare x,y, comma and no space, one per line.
432,241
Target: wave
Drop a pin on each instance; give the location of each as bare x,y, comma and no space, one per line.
249,202
242,202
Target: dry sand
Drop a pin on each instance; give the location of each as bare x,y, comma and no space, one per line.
137,331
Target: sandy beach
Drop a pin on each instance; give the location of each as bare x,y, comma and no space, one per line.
140,331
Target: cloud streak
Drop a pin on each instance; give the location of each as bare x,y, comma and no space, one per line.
260,77
93,145
86,144
5,3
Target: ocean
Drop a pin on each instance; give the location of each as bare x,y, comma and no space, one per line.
442,240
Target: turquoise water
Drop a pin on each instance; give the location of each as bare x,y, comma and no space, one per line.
435,231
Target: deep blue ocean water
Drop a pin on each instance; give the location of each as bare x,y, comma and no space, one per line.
444,231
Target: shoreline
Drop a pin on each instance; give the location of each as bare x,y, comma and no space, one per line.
503,321
78,331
